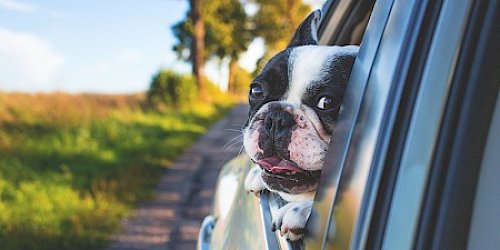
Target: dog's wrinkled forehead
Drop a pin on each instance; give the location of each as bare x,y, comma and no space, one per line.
315,68
299,74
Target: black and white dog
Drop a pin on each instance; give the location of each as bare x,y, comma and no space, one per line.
294,103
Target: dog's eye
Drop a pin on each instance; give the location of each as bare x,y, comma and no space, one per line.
325,103
256,92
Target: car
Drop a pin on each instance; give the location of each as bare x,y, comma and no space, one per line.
414,161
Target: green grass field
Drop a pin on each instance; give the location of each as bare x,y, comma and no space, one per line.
72,166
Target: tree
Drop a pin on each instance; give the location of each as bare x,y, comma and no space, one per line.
275,21
226,34
198,45
191,45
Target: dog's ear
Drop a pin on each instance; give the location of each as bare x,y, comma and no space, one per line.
307,32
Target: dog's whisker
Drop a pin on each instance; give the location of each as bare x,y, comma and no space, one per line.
231,142
237,136
241,150
236,125
235,139
232,129
232,146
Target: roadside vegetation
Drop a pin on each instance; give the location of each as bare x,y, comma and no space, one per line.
72,166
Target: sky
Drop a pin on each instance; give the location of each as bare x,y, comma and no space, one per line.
110,46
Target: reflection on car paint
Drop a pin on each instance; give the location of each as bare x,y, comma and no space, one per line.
228,185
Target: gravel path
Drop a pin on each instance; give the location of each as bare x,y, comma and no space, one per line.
184,195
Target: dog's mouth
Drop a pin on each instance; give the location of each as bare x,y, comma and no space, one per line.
277,165
286,176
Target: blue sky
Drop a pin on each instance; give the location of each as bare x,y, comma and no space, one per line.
106,46
111,46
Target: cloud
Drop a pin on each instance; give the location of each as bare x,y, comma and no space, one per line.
15,5
57,14
27,58
124,59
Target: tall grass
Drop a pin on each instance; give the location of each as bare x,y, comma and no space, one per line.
72,166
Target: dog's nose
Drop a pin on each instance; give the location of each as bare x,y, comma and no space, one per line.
276,132
278,123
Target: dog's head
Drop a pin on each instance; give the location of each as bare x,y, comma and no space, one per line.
294,103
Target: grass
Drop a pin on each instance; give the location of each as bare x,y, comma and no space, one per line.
72,166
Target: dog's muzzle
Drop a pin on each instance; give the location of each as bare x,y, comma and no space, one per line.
276,131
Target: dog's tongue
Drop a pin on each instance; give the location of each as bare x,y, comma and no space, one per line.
278,165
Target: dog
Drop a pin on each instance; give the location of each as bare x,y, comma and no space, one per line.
294,103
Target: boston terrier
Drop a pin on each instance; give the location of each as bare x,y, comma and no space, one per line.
294,103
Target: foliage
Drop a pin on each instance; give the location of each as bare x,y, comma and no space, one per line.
226,32
242,80
72,166
171,89
226,28
276,21
229,29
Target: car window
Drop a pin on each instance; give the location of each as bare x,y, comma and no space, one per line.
424,128
485,223
344,22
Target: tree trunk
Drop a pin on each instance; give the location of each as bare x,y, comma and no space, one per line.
198,46
232,70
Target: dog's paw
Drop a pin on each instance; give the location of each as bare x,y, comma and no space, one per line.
253,181
291,219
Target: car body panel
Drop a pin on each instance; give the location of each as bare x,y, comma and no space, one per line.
235,211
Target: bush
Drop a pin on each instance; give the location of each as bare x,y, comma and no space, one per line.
171,89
